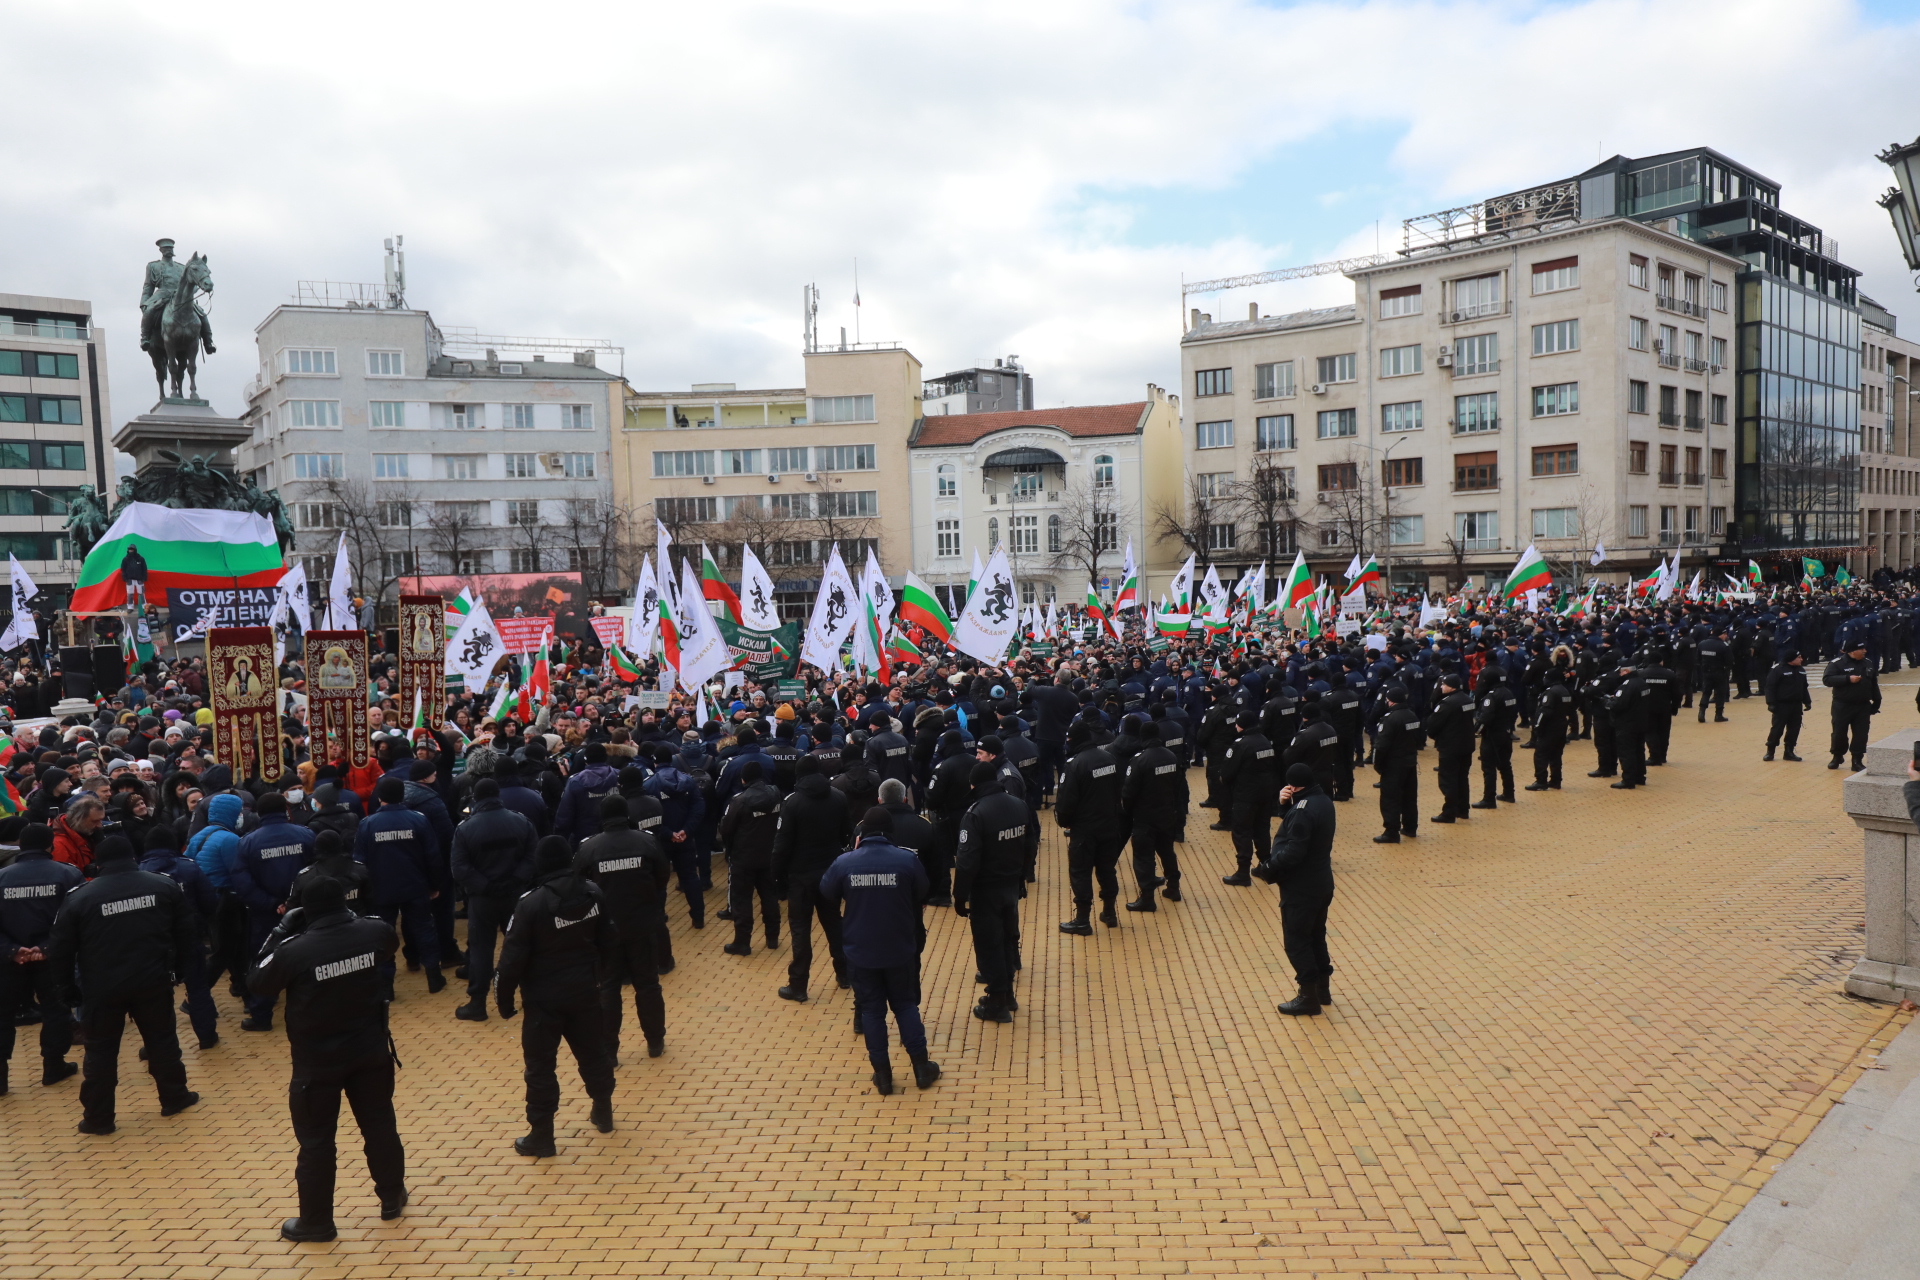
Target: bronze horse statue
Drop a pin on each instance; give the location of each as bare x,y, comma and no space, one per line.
176,354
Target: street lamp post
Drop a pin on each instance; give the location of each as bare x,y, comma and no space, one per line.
1902,202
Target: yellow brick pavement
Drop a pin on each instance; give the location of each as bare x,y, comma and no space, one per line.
1571,1039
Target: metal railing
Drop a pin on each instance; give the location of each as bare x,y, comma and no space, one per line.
57,329
1475,484
1669,419
1667,360
1475,427
1668,538
1680,306
1694,422
1695,479
1475,311
1696,365
1669,478
1481,544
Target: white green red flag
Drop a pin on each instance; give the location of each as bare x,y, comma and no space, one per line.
190,548
920,606
1369,572
1099,614
1753,573
901,649
625,669
1299,583
713,586
1530,573
1129,597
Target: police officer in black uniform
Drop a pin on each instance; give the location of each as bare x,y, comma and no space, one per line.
948,796
1450,729
1554,714
332,861
1495,710
1302,866
632,872
1086,804
32,889
1600,695
129,933
989,875
1343,710
1663,704
746,832
1855,681
329,961
890,754
1317,744
493,862
1250,782
560,948
1785,689
1629,707
1397,740
1713,666
1153,805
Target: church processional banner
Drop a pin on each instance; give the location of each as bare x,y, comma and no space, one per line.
423,657
242,693
337,696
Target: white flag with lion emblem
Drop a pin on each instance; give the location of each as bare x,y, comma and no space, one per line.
475,647
833,615
988,622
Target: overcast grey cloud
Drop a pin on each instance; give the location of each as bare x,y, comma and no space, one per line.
1012,177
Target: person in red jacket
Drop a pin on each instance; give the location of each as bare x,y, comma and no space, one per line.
76,830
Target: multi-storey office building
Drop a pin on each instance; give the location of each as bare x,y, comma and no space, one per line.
53,415
1889,481
793,470
1064,490
1555,366
433,460
1005,388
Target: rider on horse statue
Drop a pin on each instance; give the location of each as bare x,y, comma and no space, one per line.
163,281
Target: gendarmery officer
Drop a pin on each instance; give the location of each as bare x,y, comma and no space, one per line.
1396,758
1087,807
1856,701
560,948
633,873
32,889
329,961
1302,868
1450,729
129,932
989,874
1556,713
1785,689
1153,803
1249,781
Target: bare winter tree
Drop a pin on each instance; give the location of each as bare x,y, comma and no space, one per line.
453,532
593,534
385,535
1347,512
845,515
1089,518
1189,523
1268,502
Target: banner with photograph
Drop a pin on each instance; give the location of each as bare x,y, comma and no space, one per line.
423,656
561,597
337,696
242,693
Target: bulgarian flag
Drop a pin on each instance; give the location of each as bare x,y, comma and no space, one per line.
1099,614
1530,574
1299,584
458,610
625,669
500,701
1369,572
1129,597
7,748
541,679
11,805
524,705
714,587
870,624
419,729
1753,572
1651,583
920,606
669,634
902,649
196,548
1169,623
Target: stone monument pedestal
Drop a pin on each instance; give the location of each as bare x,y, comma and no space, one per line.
186,427
1875,799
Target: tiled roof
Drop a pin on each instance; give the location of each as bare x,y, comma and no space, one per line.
1083,420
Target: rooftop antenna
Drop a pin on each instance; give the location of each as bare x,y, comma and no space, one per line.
856,302
810,317
396,273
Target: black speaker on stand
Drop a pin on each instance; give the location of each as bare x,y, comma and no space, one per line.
76,671
109,669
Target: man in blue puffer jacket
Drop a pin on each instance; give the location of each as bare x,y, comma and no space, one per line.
215,847
578,814
682,807
270,858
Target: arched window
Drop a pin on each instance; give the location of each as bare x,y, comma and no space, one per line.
993,532
1103,471
945,484
1053,534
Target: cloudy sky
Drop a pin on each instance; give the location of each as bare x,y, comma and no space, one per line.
1030,178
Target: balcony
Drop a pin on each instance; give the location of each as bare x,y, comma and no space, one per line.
1463,369
1669,478
1476,483
1680,306
28,329
1473,311
1669,418
1480,544
1667,360
1695,479
1668,538
1475,426
1694,422
1696,365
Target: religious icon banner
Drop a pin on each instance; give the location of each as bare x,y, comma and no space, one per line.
423,657
337,696
243,696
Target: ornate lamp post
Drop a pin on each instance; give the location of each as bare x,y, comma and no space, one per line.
1902,202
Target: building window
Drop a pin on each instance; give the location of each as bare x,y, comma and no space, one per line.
945,481
1332,369
1396,472
39,364
386,364
466,417
1273,381
1669,464
318,515
946,537
519,466
583,559
1476,296
1717,353
1717,292
307,361
1717,519
1336,424
1638,334
1719,460
1274,433
669,510
844,457
1213,382
1669,526
1557,460
1398,362
1477,413
575,466
1213,435
1552,277
1053,534
519,417
1103,471
1280,537
1637,271
1556,522
779,461
318,466
460,466
576,417
993,532
1402,417
1214,484
861,502
1476,471
790,506
1477,530
397,564
1339,477
1636,397
313,413
523,560
1719,411
1221,537
63,457
1551,339
1692,526
394,515
1027,594
1636,521
748,505
841,408
1561,397
389,466
1477,354
683,462
1406,531
1404,301
739,462
1106,531
386,413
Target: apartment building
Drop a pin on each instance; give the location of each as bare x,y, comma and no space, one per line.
53,415
790,470
1005,388
1562,365
435,455
1889,455
1063,490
